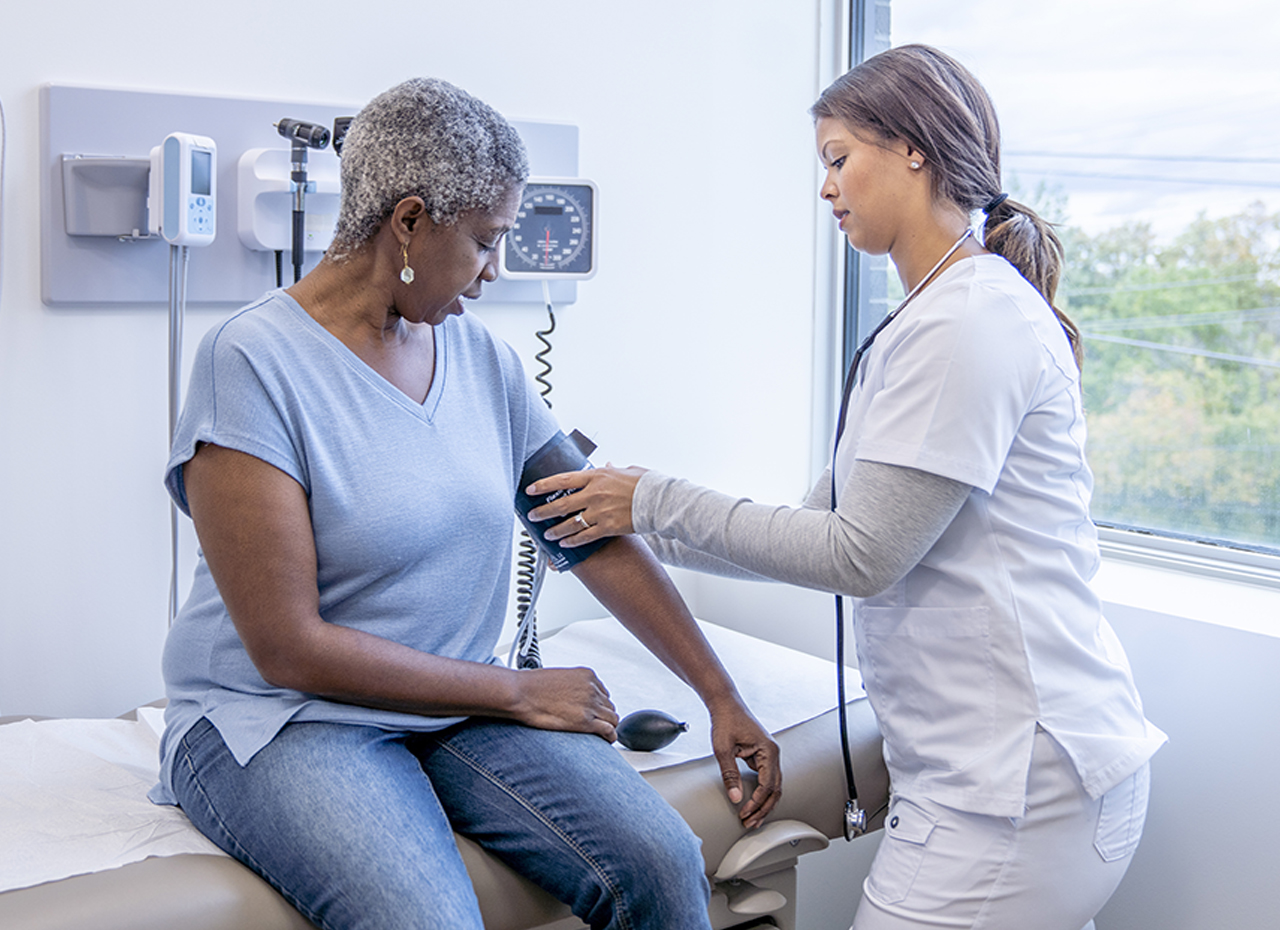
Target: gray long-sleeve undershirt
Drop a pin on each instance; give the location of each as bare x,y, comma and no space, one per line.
887,518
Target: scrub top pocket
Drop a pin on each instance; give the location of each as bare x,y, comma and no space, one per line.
907,829
930,678
1123,815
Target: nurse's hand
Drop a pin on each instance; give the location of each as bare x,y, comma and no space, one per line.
736,734
600,505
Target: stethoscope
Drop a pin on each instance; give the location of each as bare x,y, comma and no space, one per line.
855,818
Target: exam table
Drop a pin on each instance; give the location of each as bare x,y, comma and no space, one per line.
160,873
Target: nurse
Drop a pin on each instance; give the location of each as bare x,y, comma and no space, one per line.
1013,733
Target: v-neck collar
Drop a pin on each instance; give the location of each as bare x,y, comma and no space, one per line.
439,334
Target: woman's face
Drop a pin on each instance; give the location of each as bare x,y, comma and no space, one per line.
867,185
454,261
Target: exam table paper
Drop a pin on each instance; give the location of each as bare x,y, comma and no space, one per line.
73,792
73,799
782,687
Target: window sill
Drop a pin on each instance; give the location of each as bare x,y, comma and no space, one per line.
1212,584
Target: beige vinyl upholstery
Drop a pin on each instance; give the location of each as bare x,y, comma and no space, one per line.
193,892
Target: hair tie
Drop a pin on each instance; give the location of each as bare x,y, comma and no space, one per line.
995,202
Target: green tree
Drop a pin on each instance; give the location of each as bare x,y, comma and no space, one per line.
1182,373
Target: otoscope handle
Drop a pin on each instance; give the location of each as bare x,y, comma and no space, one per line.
299,177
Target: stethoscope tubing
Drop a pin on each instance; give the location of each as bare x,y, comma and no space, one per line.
855,819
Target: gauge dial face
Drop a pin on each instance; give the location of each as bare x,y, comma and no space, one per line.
553,233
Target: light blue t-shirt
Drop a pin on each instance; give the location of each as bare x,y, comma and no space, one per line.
411,506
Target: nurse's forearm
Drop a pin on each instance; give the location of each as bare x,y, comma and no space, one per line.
888,519
675,553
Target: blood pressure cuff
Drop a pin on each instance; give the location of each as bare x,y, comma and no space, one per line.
560,453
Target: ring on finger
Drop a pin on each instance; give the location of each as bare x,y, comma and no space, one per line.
579,519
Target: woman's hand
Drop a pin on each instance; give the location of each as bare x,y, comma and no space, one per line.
736,734
599,504
565,699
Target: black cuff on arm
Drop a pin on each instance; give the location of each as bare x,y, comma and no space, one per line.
558,454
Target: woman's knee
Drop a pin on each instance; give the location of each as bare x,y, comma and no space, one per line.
567,812
658,855
657,876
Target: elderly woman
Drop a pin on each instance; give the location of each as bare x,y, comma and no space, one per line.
350,452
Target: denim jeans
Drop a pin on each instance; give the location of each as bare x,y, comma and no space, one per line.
353,825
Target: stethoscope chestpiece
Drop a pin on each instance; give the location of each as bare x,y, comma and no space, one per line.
855,820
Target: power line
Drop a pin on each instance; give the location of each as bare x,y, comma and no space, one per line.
1181,320
1053,172
1157,286
1183,350
1116,156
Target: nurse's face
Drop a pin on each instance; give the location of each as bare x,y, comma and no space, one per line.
867,185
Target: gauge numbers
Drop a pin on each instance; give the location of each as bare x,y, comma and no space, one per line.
554,232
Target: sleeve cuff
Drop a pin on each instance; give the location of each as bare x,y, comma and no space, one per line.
644,502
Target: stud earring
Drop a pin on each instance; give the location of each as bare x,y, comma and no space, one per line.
915,165
406,274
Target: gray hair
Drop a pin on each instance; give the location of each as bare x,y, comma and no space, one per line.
429,139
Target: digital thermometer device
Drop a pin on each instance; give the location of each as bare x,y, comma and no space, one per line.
183,195
554,235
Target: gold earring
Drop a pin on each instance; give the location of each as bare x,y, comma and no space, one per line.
406,274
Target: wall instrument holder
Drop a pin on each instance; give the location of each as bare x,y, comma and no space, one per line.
94,145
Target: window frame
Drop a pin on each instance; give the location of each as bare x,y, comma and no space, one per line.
1212,559
866,296
864,301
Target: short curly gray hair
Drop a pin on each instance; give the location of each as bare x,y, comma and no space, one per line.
429,139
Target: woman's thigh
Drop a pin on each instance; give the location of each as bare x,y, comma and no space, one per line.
568,812
339,819
938,867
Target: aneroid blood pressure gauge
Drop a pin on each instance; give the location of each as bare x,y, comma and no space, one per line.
554,235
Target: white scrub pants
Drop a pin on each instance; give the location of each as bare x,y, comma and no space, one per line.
1051,869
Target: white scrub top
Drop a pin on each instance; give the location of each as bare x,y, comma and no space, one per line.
996,630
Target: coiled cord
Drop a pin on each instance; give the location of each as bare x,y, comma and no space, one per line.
541,357
531,562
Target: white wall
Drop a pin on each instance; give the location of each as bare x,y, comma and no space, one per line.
1209,857
691,351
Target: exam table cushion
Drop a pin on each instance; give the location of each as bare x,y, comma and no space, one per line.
195,890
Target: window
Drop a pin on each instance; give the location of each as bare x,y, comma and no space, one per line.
1147,129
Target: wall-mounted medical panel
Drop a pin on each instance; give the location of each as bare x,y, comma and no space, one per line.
103,198
264,201
94,150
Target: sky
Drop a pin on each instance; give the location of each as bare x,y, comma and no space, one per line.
1155,110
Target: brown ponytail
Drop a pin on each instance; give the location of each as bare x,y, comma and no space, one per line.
927,99
1028,243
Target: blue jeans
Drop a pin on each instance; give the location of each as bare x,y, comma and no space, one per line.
353,825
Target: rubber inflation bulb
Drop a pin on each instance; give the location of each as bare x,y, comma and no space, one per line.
649,730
